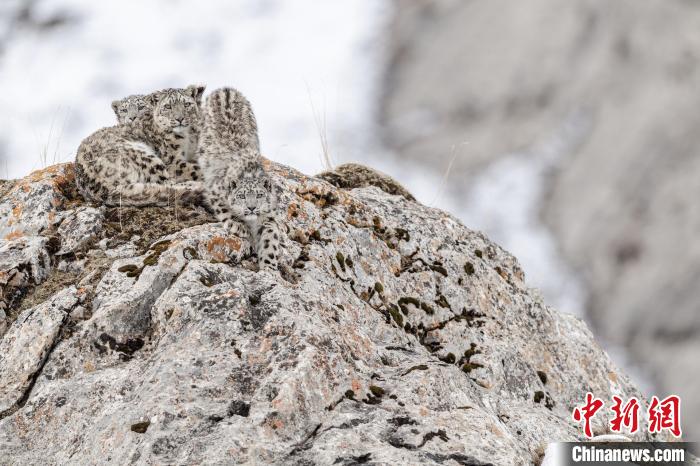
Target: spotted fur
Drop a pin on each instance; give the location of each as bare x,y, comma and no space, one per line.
177,116
229,154
131,109
253,201
137,163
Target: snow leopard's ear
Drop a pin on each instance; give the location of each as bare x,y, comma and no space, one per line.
115,107
267,183
196,91
153,98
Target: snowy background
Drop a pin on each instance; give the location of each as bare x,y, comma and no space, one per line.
63,61
309,68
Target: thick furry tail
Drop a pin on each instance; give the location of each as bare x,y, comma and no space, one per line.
139,194
228,113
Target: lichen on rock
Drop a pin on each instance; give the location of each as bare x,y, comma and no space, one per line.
400,337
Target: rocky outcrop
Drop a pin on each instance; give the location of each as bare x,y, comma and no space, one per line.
396,336
621,199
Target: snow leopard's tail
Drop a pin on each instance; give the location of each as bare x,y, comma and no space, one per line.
229,117
137,194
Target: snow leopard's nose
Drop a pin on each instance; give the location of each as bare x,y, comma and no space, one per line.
250,210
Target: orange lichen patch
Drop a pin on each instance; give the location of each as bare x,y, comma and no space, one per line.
356,385
53,170
17,210
613,377
496,431
14,235
278,402
502,273
42,414
276,424
357,223
519,274
294,211
66,177
321,195
21,426
220,248
484,383
423,411
89,366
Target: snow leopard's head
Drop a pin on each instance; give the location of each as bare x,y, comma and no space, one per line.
252,196
131,108
177,110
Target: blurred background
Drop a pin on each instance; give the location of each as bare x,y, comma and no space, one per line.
566,131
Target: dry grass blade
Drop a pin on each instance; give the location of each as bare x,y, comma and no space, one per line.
320,121
446,176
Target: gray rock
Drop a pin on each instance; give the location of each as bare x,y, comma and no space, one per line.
398,337
23,262
80,229
622,199
32,204
26,345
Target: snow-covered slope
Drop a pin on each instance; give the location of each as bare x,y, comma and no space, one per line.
64,61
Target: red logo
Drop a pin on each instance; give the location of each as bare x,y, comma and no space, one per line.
662,414
587,412
665,414
627,416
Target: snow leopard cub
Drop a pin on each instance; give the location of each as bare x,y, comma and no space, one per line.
131,108
133,164
252,200
237,187
228,147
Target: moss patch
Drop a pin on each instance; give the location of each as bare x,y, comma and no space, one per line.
95,266
469,268
396,315
140,427
420,367
150,223
341,260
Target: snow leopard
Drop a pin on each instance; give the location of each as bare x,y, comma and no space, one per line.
131,108
229,155
137,163
253,201
228,146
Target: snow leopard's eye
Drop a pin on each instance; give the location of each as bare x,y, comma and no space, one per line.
261,195
241,195
188,104
168,107
123,110
141,107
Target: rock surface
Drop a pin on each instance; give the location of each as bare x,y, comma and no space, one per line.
398,337
622,204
